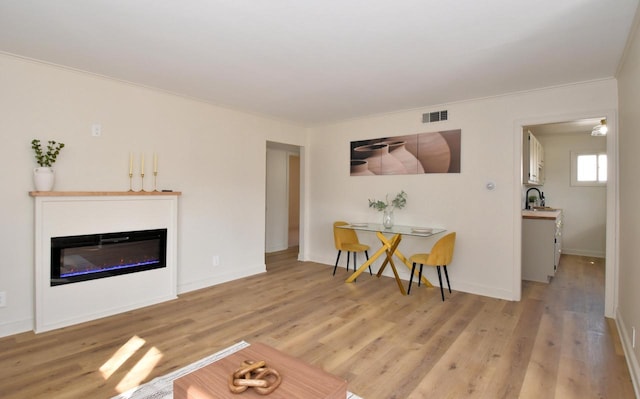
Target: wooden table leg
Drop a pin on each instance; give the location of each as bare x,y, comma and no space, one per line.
392,245
389,248
368,263
395,273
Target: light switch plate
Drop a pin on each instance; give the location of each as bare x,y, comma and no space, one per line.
96,130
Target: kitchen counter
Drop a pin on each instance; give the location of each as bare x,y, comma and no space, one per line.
550,214
541,243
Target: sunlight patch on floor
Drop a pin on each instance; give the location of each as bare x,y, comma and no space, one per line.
122,355
140,371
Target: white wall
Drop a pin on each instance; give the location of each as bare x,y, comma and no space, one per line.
277,208
584,208
487,256
215,156
629,147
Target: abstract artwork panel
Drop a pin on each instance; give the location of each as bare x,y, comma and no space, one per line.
434,152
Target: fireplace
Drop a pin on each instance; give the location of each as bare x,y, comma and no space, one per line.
94,256
62,217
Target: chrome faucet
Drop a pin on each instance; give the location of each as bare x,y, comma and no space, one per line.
540,196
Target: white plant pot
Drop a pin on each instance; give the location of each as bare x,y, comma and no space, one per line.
43,178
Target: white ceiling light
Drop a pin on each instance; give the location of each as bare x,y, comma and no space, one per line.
601,129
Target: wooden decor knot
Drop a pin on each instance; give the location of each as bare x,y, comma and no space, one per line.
256,375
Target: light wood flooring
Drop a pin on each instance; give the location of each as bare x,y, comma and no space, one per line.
555,343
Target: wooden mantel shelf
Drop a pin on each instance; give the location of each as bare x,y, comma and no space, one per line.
98,193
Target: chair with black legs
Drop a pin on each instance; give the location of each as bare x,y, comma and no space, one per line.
347,240
440,255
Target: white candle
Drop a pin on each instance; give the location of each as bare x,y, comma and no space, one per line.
155,163
131,163
142,163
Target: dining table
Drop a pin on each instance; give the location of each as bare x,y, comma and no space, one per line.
389,247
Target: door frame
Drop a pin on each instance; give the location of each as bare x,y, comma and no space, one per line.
612,227
289,149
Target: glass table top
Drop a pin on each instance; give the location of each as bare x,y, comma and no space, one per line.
395,229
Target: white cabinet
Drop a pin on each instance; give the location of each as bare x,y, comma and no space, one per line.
557,249
541,246
532,160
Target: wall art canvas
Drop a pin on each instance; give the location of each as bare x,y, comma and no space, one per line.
434,152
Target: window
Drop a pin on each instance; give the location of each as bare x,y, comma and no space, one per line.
588,169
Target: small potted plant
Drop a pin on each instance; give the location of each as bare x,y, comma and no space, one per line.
43,176
399,202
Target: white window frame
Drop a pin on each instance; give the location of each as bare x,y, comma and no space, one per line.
574,169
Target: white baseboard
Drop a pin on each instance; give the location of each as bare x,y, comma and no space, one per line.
15,327
583,252
20,326
219,279
276,248
632,361
405,273
104,312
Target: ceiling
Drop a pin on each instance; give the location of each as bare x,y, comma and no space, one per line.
316,62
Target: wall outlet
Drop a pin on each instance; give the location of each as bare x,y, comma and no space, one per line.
3,299
96,130
216,260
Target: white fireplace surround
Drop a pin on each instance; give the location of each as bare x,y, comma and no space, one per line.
77,213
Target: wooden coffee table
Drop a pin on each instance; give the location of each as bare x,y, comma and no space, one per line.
299,379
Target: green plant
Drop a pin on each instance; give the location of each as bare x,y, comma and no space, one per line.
398,202
49,158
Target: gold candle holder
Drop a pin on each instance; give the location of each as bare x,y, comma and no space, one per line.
155,181
142,182
130,182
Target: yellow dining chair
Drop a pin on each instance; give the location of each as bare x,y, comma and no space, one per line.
347,240
441,255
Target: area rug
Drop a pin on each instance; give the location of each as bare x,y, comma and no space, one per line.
162,387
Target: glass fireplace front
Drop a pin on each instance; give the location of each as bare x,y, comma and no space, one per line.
88,257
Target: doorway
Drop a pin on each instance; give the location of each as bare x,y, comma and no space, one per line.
584,206
598,236
283,192
294,200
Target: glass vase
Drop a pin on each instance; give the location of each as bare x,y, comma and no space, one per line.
387,218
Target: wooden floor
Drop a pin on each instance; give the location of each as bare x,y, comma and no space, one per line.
553,343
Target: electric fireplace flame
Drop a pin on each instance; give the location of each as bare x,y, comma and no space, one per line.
88,257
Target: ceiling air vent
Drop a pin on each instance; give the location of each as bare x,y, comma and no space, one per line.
436,116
